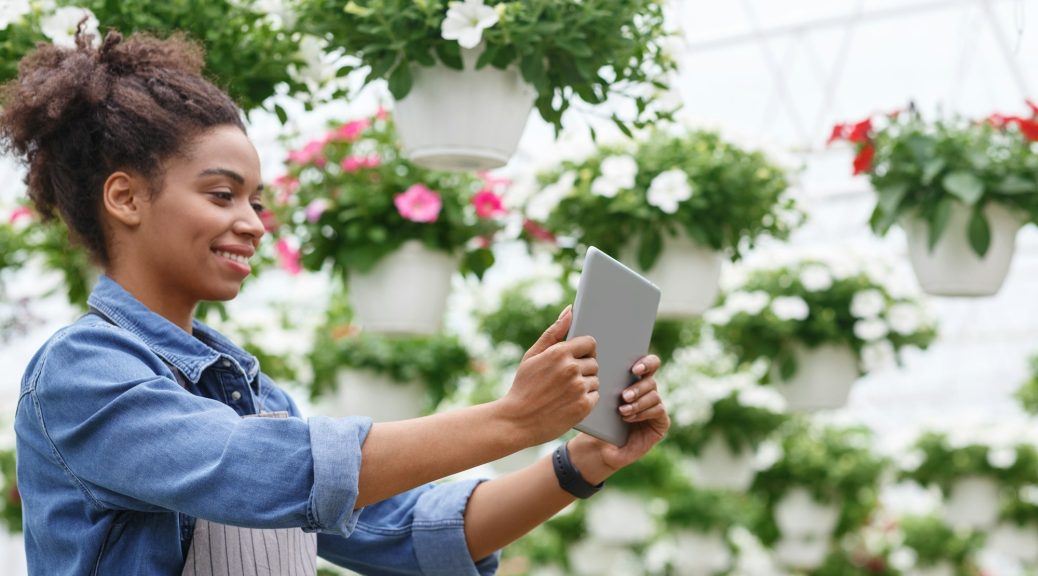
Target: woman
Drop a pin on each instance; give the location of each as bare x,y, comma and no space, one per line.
148,443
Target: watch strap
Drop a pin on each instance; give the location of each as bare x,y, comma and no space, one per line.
569,477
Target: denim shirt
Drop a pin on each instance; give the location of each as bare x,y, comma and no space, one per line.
114,454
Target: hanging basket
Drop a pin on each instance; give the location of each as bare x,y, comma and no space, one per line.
799,516
464,119
972,503
823,378
718,467
803,553
953,268
405,293
365,393
700,553
688,276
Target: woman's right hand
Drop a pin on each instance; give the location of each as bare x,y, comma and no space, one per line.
556,385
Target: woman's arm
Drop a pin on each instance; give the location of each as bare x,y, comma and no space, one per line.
503,509
555,388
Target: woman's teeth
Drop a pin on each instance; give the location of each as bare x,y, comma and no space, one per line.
235,257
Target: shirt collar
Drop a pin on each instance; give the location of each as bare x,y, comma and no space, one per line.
191,354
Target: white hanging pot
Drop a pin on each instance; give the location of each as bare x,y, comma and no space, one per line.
942,568
688,276
1018,542
799,515
953,268
823,378
972,503
803,553
405,293
618,518
464,119
366,393
700,553
718,467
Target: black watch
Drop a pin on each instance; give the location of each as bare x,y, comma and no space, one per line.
569,477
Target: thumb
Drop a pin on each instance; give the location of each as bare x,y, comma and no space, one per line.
554,334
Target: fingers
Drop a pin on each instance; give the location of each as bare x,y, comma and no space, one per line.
588,366
554,334
581,347
641,401
646,366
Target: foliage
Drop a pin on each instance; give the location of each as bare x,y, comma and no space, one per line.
568,51
631,197
438,361
808,303
1020,505
921,168
248,53
708,510
835,465
344,198
1027,394
933,541
943,460
11,502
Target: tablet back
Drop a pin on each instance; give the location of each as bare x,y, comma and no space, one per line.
617,307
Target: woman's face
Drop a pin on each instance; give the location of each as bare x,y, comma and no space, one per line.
199,232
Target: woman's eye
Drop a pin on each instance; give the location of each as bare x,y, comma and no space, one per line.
222,196
258,207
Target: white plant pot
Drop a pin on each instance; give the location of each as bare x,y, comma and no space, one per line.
952,268
12,554
688,275
800,516
823,378
464,119
700,554
717,466
804,553
365,393
972,503
618,518
405,293
1017,542
942,568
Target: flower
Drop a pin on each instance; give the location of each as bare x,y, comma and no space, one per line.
669,189
790,308
314,70
288,256
11,11
350,130
418,204
863,160
313,153
867,304
548,198
878,355
904,318
466,21
315,208
870,329
537,231
355,163
487,204
287,186
618,173
816,278
1002,457
61,26
747,302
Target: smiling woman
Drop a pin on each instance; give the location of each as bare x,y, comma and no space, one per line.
148,443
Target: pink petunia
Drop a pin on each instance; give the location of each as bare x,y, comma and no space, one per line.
355,163
381,113
315,208
288,256
350,130
537,231
493,182
18,214
418,204
270,221
287,186
487,204
312,153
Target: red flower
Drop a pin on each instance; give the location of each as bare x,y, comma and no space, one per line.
860,131
1033,107
487,204
1029,128
863,161
537,231
997,120
837,134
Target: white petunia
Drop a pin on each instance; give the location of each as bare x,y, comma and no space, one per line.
11,11
747,302
816,278
1002,458
768,453
878,355
61,26
867,304
1029,494
544,202
718,316
545,293
790,308
668,190
763,397
911,460
904,559
466,21
904,318
871,329
315,69
618,173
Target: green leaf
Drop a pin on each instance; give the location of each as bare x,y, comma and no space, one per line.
979,232
400,81
488,56
932,169
964,186
649,249
450,54
1013,185
282,115
890,197
939,221
787,366
532,68
621,125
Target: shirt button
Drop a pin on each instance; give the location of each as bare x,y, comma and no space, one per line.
235,395
226,363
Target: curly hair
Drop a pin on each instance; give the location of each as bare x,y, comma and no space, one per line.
76,115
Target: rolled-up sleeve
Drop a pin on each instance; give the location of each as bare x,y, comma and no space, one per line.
421,531
336,447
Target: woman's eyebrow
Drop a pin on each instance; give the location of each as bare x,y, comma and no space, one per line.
228,173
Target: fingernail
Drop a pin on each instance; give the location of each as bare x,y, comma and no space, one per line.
564,310
628,395
626,409
639,368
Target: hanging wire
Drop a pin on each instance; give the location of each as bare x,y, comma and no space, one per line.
1018,20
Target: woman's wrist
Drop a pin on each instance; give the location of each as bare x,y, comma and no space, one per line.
586,454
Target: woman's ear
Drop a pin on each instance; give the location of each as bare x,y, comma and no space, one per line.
123,197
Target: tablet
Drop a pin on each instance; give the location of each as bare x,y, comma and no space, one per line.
617,307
